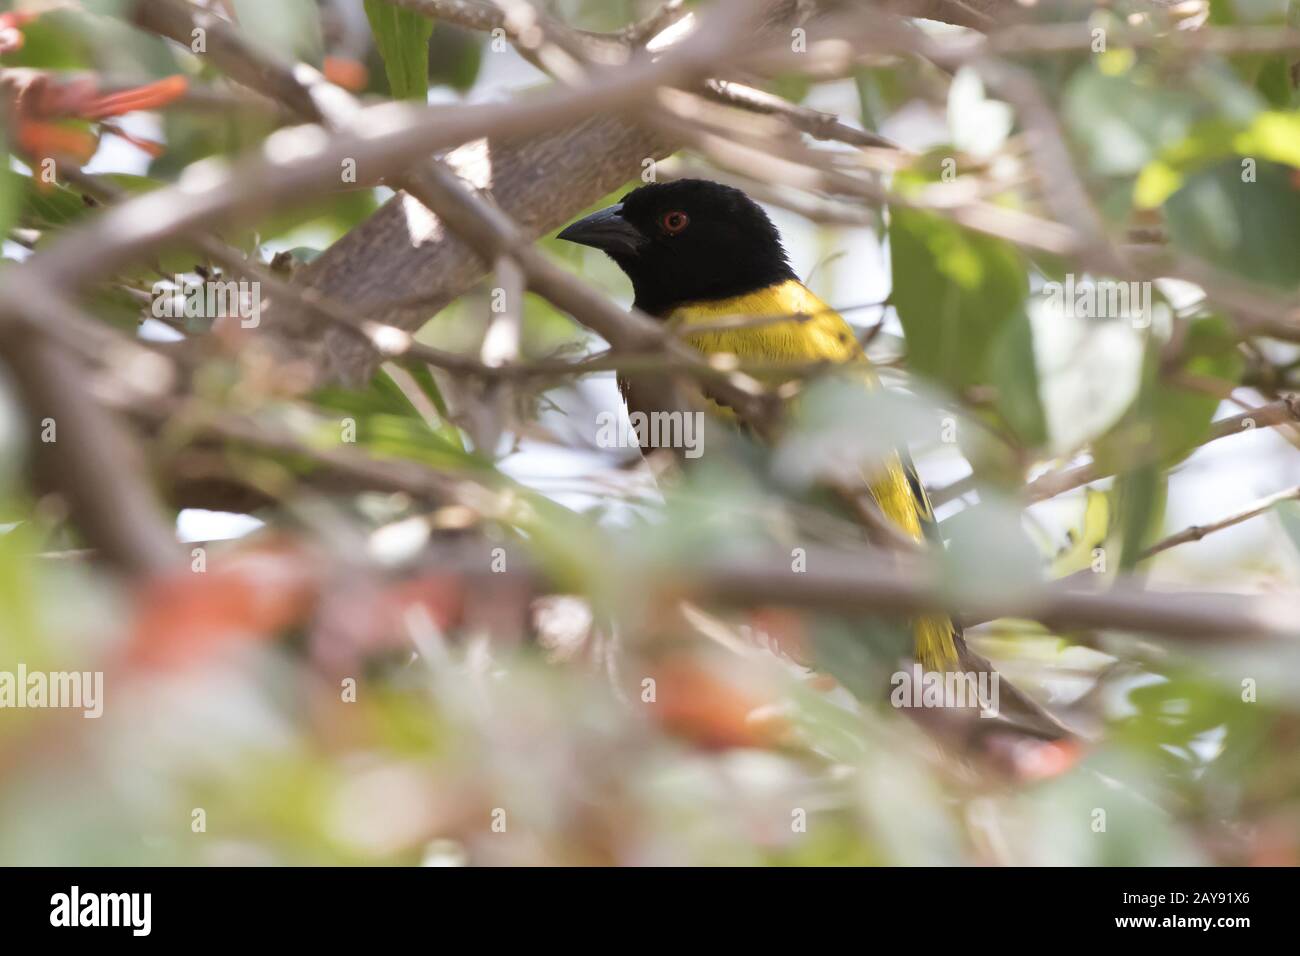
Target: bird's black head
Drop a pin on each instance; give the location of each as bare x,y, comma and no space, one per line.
686,241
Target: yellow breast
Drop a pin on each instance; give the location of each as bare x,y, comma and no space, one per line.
816,332
820,334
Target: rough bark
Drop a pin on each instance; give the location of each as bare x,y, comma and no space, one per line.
399,273
391,272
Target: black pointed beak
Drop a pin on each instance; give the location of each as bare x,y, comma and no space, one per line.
606,230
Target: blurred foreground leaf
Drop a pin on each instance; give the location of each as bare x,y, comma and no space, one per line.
1243,217
403,41
954,292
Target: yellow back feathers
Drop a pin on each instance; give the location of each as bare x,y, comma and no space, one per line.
823,336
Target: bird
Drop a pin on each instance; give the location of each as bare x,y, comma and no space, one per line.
697,251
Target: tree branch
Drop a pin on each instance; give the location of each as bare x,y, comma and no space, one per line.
1198,531
848,582
79,448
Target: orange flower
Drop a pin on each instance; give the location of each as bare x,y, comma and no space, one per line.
184,618
696,703
52,139
38,100
151,96
347,73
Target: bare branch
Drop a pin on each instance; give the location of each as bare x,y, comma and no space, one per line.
80,449
845,582
1198,531
1284,412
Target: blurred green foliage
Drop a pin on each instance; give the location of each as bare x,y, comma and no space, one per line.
464,711
403,41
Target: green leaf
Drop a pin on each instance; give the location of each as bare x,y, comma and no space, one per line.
880,92
423,377
413,440
1288,512
1244,218
10,191
1271,135
1182,416
20,623
403,41
52,205
1014,370
388,422
317,223
1274,82
383,398
455,57
192,137
287,27
989,551
1247,11
1139,505
954,291
826,434
47,208
1168,421
95,38
1090,532
54,41
1206,143
1123,123
790,86
862,653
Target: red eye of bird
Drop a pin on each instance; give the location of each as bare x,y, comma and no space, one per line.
675,222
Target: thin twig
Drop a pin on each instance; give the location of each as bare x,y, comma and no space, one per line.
1198,531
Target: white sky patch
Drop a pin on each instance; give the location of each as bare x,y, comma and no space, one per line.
422,226
151,330
116,155
196,524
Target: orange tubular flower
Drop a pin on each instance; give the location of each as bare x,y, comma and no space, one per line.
39,101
